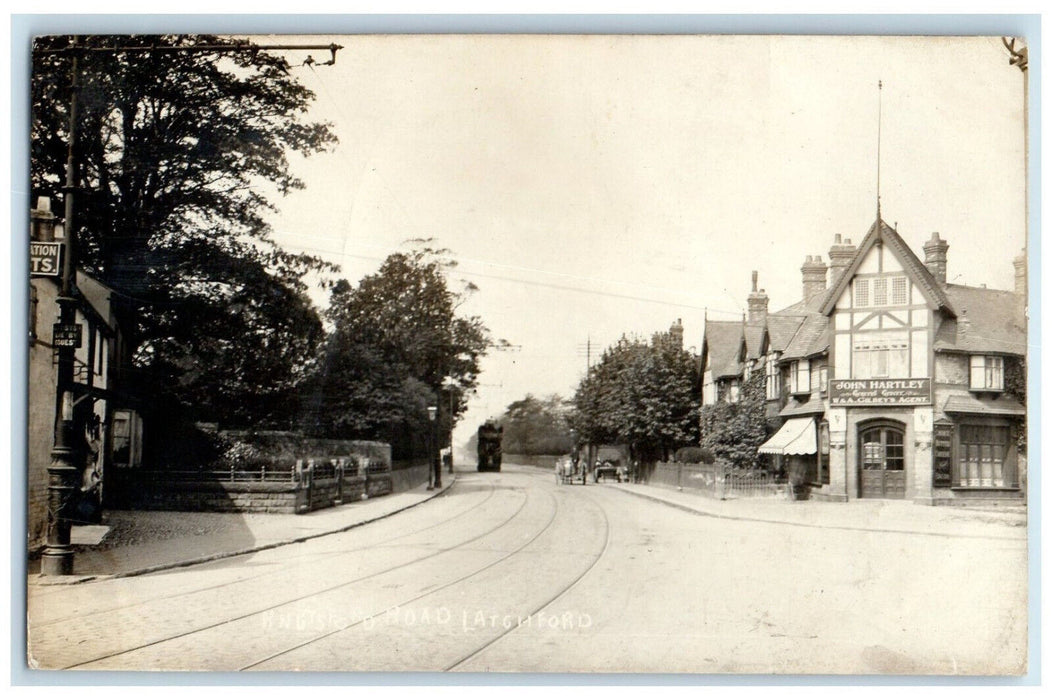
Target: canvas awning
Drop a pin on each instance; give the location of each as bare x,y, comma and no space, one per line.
796,437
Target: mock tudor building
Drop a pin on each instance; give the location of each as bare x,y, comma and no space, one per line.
884,380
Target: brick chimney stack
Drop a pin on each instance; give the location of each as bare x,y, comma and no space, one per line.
840,256
42,221
935,257
675,334
757,303
1020,275
814,276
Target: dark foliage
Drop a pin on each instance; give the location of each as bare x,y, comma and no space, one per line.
175,155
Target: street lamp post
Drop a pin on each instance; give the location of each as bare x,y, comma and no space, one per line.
436,466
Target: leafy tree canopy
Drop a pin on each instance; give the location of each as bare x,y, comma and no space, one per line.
642,394
397,345
175,152
534,426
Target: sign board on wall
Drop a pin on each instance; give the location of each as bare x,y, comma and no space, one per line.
66,335
45,259
879,392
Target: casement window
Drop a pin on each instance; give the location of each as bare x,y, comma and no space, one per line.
981,457
880,291
889,290
823,378
987,373
861,292
747,371
878,355
733,391
774,378
800,377
708,390
899,292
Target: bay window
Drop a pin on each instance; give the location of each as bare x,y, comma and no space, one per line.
774,378
800,377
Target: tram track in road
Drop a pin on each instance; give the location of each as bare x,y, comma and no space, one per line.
402,604
296,599
274,572
559,594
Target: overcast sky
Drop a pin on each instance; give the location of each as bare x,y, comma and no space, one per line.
598,185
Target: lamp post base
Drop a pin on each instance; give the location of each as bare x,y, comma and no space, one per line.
56,561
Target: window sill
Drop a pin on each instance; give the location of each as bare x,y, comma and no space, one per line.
984,488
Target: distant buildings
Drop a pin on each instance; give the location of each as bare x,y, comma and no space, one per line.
884,380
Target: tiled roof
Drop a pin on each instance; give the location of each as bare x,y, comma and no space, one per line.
989,320
809,408
964,402
917,271
723,341
811,338
754,333
781,327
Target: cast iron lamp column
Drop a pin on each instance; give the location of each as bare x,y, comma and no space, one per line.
434,469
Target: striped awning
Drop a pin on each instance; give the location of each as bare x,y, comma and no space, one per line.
796,437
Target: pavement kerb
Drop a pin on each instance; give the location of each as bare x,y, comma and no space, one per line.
826,526
74,579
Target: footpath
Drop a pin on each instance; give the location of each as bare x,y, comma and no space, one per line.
132,543
870,515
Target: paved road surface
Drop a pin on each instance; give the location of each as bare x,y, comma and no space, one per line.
511,572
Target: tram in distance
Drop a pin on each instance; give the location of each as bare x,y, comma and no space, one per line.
489,447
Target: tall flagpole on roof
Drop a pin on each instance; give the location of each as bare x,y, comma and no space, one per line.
880,91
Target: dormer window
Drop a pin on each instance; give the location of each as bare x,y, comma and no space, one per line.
800,377
987,373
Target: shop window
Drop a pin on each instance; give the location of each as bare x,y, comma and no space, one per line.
823,453
988,373
879,355
800,377
981,457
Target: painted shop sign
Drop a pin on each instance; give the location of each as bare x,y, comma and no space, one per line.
879,392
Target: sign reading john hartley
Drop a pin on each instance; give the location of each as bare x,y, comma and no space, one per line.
879,392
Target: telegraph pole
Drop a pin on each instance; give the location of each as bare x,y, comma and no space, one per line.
67,453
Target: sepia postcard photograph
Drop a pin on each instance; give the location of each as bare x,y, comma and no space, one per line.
528,353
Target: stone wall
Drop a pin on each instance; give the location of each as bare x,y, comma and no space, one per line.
143,490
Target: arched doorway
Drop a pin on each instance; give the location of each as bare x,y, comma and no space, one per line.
882,460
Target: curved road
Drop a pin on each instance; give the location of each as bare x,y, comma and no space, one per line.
511,572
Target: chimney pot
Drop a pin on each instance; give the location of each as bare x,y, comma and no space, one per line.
935,257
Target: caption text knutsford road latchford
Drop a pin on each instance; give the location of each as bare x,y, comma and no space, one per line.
467,620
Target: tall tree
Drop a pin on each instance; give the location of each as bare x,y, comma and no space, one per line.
534,426
645,395
397,345
176,156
